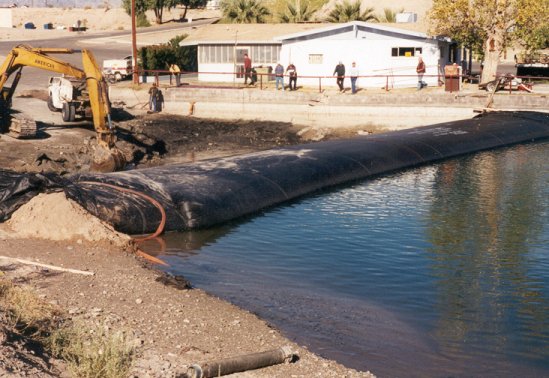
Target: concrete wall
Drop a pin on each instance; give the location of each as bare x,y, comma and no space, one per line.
372,112
325,116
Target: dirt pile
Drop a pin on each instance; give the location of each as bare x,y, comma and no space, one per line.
54,217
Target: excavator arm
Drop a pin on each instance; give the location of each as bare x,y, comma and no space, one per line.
107,156
22,56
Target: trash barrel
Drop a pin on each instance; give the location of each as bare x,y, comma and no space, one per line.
265,72
452,76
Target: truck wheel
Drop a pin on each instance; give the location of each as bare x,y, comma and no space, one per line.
50,105
111,78
68,112
72,112
118,76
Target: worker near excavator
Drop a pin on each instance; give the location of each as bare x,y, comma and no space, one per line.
155,98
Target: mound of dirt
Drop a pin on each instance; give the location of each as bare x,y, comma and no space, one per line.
54,217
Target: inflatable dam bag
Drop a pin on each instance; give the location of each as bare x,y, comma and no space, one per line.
210,192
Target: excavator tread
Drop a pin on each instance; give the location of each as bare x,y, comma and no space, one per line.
22,127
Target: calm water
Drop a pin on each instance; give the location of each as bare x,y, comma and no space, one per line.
443,269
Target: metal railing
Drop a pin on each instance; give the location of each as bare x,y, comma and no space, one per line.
388,78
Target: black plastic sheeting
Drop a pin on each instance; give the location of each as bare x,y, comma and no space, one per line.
215,191
16,189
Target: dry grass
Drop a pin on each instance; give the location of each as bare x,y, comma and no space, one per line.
25,312
93,353
87,352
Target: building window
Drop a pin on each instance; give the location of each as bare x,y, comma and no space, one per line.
315,58
406,51
240,55
260,54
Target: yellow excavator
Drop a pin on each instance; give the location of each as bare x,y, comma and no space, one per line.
107,157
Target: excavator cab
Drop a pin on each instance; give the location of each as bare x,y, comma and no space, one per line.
107,157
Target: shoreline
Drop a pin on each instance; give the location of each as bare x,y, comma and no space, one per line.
172,328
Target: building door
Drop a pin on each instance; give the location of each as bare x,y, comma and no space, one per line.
239,54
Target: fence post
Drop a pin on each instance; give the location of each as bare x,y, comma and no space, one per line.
387,83
261,81
319,85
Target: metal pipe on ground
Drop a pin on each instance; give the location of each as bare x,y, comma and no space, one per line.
241,363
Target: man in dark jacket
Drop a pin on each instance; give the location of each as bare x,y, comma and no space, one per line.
340,72
292,73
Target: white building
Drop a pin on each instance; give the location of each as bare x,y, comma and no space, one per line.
385,55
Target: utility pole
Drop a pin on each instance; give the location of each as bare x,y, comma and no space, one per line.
234,56
134,47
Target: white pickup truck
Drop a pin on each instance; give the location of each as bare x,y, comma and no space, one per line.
69,96
117,69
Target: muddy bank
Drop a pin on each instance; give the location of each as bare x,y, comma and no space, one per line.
145,139
172,327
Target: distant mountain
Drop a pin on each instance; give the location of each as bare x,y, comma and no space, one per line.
62,3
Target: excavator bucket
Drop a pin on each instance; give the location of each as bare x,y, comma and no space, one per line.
107,159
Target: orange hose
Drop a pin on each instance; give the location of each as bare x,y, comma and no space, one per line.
158,205
151,258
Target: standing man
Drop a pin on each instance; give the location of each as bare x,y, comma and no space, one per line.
247,69
176,72
153,98
420,69
340,72
292,72
353,72
279,75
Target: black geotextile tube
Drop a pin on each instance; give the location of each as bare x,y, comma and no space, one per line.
205,193
16,189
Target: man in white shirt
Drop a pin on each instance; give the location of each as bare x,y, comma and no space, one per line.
353,73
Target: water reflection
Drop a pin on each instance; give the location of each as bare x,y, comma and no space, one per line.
444,267
184,244
489,299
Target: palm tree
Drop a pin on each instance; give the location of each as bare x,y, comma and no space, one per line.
389,15
244,11
297,11
345,12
